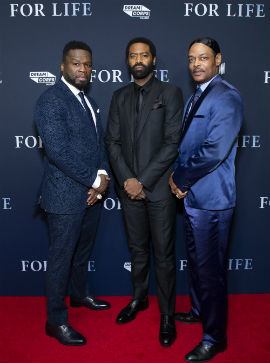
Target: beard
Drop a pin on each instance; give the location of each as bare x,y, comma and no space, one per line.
82,85
141,73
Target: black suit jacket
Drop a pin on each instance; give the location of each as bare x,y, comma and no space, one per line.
154,147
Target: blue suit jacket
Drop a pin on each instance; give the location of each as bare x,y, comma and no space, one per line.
73,153
205,164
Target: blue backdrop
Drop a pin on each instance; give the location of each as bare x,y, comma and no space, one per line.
32,38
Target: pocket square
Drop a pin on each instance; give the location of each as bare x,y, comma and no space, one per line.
157,104
98,110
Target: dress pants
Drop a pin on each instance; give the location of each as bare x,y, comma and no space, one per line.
207,235
145,220
71,241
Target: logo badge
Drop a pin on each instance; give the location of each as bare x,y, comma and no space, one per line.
137,11
43,77
127,266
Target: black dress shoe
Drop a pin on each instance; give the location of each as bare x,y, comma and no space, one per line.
204,353
65,334
130,311
89,302
187,318
167,333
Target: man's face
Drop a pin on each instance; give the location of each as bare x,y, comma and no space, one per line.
140,60
77,68
203,64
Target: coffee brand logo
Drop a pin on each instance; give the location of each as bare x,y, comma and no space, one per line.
127,266
137,11
43,77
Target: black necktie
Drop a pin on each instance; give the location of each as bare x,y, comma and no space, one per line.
139,101
193,100
88,111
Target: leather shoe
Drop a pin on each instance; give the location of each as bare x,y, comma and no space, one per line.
89,302
65,334
204,352
167,333
130,311
187,318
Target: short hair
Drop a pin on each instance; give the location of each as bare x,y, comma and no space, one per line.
210,42
141,40
74,44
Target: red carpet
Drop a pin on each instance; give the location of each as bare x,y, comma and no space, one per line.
22,337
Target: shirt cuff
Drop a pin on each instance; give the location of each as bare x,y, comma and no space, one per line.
97,181
101,171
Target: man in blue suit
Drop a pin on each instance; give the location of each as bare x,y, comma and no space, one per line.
74,180
205,177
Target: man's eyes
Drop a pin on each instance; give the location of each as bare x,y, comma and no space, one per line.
78,64
192,60
133,56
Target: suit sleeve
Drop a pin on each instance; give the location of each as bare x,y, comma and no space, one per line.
166,155
226,116
50,116
114,145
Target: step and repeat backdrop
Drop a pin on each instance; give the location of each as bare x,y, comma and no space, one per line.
33,34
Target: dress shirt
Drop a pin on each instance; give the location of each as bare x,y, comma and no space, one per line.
204,85
76,92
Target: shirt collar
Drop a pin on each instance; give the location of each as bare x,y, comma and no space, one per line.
204,85
147,85
73,89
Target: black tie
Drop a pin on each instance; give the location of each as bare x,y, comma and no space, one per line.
139,101
88,111
193,100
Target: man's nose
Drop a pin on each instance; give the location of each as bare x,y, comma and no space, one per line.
82,68
196,62
139,58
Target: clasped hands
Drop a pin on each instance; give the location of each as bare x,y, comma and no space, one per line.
134,189
175,190
93,193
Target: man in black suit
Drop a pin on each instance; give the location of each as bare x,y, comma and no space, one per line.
142,138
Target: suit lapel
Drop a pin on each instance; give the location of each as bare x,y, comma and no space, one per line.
156,89
197,105
97,116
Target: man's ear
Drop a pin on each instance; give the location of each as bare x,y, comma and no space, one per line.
154,60
218,59
62,67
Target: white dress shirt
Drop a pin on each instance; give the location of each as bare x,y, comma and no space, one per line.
76,92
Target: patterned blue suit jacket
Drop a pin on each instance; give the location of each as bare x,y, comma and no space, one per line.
73,154
205,164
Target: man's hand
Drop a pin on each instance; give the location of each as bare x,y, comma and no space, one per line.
140,196
104,183
133,188
175,190
172,184
92,199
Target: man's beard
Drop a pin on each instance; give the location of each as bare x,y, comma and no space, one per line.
83,86
141,73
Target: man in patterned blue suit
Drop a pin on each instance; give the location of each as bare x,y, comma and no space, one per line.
205,176
74,180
